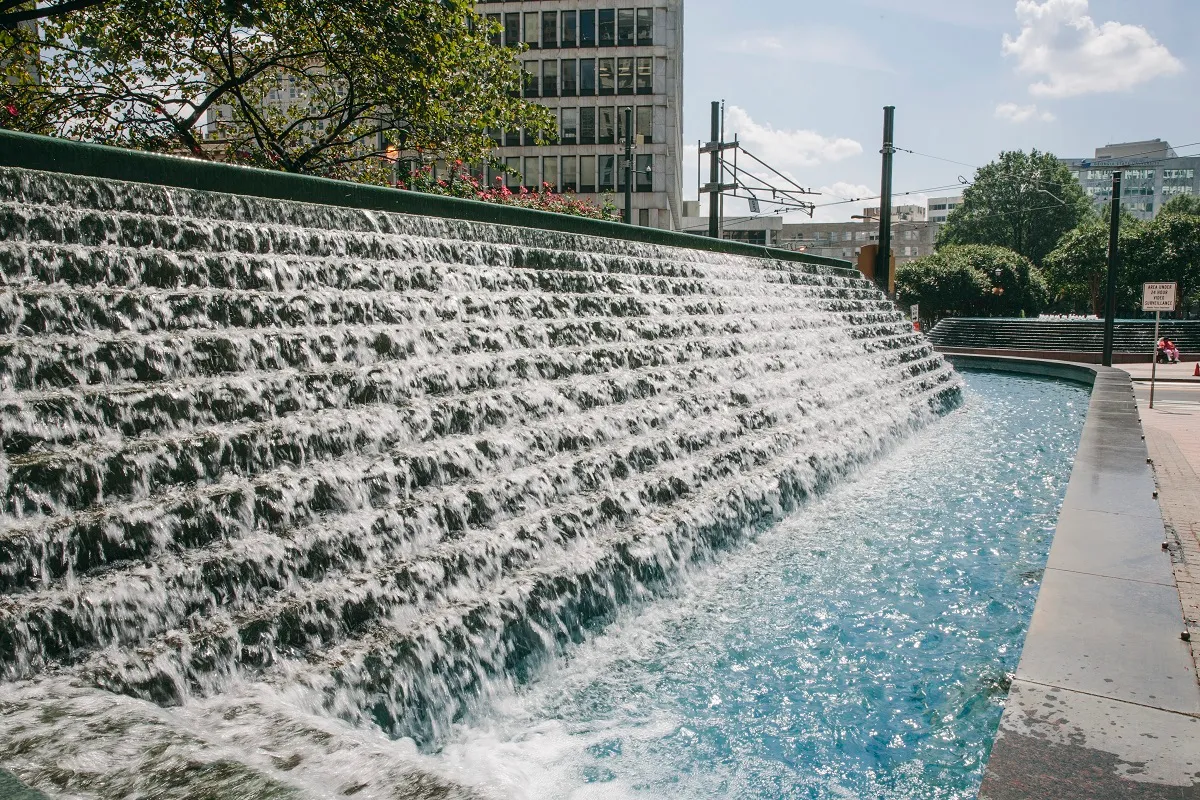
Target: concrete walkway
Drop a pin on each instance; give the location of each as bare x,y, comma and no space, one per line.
1170,373
1172,431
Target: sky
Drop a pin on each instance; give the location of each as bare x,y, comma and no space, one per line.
805,82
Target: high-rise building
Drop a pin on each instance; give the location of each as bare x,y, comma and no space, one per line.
1152,174
588,62
940,207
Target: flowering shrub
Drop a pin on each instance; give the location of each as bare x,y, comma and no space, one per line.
461,183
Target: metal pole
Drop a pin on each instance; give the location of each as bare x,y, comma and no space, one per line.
714,175
883,263
1114,264
1154,360
629,166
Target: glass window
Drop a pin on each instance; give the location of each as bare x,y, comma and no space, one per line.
550,171
587,28
532,29
608,27
512,137
587,173
644,167
550,78
624,76
549,29
568,28
645,27
587,126
569,85
645,76
606,179
570,125
530,70
570,174
496,135
531,178
497,36
625,37
645,124
513,166
530,139
587,77
607,125
608,81
644,217
512,30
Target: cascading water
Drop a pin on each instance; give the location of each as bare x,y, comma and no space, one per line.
382,462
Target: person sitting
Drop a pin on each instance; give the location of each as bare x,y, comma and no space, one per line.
1166,352
1160,352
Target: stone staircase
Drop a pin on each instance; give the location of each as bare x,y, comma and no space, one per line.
1075,340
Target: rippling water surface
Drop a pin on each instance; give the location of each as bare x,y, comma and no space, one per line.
860,649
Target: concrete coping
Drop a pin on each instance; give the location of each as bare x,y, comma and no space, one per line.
1105,702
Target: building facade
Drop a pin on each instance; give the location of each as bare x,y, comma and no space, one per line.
913,235
940,207
1152,174
588,62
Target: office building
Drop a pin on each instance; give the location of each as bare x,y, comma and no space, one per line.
1152,173
588,63
913,236
940,207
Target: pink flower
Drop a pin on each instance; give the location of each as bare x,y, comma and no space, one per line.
11,109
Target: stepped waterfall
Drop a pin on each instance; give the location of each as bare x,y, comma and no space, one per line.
374,465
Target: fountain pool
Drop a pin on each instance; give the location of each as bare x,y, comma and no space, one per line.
859,649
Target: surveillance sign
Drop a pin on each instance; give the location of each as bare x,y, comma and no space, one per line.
1158,296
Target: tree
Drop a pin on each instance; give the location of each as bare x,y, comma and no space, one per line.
1174,252
14,12
1182,204
312,86
972,279
1023,202
1166,249
1077,268
941,288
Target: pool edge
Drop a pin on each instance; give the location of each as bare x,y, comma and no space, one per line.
1105,701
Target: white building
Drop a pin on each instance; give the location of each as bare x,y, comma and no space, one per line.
1152,174
940,207
588,63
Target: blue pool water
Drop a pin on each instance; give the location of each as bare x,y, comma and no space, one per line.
859,650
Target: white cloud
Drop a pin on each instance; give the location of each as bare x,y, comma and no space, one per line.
787,149
1073,55
1012,112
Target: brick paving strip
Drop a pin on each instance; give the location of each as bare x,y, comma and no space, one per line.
1173,441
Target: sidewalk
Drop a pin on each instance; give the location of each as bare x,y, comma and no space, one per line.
1166,372
1172,431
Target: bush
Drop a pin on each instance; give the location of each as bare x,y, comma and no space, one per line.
972,280
461,183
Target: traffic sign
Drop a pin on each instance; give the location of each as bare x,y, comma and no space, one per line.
1159,296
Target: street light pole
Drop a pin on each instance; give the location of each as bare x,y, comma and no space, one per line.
1114,264
628,166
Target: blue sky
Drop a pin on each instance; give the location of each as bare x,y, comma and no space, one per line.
805,82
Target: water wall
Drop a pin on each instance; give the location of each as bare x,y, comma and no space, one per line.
393,459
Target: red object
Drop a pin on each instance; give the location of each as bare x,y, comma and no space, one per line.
1196,372
11,109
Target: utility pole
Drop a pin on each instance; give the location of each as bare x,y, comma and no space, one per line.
883,265
628,166
1114,264
714,174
